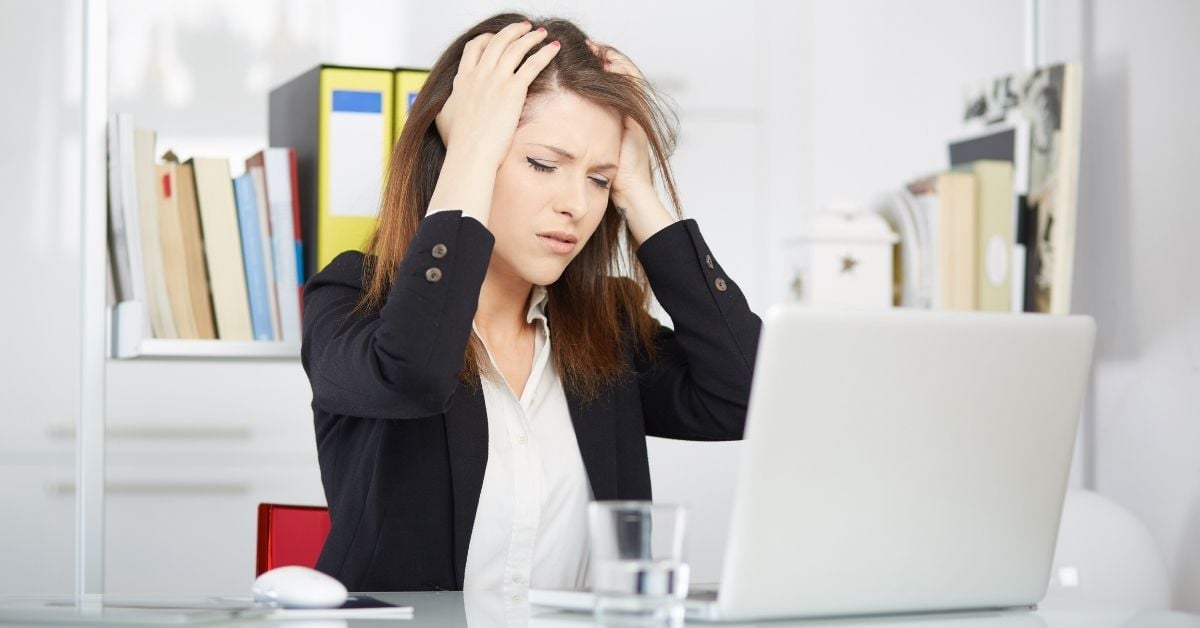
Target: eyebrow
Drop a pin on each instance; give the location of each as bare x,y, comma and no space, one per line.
568,156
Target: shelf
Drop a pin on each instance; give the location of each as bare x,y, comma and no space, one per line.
208,349
128,341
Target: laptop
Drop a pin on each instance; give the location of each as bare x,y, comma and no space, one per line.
898,461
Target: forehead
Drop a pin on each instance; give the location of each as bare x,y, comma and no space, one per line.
570,122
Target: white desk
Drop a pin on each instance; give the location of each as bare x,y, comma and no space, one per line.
452,609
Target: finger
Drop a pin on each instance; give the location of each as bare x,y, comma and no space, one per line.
620,64
598,50
537,62
517,50
472,52
499,43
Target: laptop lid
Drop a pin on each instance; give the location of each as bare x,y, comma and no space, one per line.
903,461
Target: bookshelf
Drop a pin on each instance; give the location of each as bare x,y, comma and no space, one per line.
198,76
253,389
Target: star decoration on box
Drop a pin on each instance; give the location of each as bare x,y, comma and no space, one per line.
848,265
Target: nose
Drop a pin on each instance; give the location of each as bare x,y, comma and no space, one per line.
572,200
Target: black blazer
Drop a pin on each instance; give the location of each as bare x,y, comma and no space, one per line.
403,443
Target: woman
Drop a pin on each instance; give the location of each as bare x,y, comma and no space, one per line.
479,374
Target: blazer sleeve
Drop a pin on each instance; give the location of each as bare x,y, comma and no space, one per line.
698,385
404,360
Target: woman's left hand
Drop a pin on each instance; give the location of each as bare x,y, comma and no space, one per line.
632,188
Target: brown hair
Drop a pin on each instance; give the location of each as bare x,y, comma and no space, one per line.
587,310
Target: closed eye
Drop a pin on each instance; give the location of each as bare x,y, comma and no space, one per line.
541,167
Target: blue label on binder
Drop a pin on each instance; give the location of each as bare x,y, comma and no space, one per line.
359,102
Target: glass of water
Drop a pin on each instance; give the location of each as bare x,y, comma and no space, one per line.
637,561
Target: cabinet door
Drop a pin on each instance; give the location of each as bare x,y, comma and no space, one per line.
193,448
198,523
40,278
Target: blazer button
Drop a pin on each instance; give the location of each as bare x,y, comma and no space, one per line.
708,260
439,251
720,284
433,275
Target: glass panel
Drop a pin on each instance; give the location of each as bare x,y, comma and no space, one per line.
39,323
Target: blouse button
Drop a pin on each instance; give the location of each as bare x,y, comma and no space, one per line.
439,251
708,260
720,284
433,275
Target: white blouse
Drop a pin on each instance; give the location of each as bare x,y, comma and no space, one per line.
531,525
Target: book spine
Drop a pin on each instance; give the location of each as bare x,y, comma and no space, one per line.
277,171
118,238
256,286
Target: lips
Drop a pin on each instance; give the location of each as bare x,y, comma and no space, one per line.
558,241
561,236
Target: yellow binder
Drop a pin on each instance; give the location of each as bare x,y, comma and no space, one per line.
355,128
408,83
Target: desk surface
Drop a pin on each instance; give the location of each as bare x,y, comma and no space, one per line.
480,610
452,609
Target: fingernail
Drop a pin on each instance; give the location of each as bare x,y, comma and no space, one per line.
541,29
555,43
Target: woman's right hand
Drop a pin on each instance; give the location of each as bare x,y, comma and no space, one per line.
480,117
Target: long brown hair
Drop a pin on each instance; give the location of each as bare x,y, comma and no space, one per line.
589,313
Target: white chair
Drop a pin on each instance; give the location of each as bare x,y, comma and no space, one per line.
1105,558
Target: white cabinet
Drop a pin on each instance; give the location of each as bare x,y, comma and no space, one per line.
196,522
193,448
40,280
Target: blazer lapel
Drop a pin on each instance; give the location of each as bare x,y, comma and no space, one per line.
595,431
467,441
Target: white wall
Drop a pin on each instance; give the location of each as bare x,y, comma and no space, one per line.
1137,257
887,81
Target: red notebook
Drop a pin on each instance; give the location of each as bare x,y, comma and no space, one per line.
290,535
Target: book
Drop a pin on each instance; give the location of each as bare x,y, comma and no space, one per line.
340,122
158,300
252,255
955,241
946,220
124,232
276,165
175,272
222,248
193,253
1007,141
900,211
301,269
994,234
1050,100
921,196
258,179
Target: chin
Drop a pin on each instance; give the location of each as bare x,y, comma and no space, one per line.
542,274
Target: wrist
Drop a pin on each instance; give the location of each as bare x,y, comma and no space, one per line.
645,214
465,182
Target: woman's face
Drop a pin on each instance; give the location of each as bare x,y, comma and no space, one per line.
552,188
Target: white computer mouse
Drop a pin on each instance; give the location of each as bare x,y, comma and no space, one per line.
299,587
